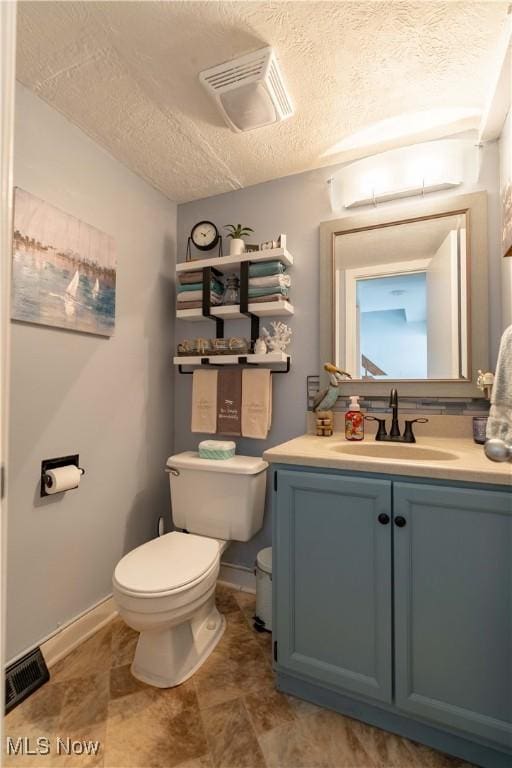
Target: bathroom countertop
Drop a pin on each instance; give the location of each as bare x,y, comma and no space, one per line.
469,464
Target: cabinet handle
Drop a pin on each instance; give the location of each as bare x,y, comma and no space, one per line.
400,521
383,518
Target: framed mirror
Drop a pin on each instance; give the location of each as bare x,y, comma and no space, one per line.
404,297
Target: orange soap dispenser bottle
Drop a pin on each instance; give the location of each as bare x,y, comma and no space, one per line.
354,420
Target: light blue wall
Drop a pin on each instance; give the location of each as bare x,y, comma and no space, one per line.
404,355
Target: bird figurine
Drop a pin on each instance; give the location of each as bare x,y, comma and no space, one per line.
326,399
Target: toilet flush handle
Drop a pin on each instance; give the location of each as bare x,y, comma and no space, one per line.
172,471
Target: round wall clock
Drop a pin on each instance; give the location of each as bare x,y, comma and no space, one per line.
204,235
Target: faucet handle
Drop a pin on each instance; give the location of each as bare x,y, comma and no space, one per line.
381,429
408,433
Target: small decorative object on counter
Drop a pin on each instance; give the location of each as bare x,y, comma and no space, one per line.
260,348
324,423
217,449
479,429
232,292
280,338
354,420
484,382
326,399
237,232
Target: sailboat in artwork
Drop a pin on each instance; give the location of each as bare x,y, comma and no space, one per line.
73,285
70,294
96,289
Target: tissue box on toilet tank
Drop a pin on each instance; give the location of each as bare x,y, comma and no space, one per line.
217,449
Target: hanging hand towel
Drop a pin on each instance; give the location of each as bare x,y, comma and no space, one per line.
256,403
204,401
500,417
229,401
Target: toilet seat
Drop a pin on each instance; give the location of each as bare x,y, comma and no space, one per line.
166,565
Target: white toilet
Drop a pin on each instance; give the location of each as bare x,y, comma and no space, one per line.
165,589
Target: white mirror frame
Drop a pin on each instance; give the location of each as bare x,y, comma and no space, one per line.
475,207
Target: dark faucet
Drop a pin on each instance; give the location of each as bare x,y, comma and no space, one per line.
394,435
393,404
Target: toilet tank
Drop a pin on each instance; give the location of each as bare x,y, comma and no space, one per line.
222,499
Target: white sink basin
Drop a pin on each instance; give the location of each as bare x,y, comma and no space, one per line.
398,451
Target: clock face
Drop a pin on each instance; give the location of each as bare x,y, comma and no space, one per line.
205,235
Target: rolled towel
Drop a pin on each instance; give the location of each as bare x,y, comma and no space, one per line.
214,286
500,418
262,268
190,277
268,291
271,297
186,296
270,281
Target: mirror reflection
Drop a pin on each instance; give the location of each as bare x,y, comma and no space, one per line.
401,307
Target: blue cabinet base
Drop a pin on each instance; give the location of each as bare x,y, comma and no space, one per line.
380,717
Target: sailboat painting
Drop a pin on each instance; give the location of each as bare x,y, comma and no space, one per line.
63,270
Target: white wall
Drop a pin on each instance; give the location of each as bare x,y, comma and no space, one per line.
296,205
505,145
110,400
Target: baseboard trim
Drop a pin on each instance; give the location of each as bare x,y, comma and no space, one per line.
237,577
60,643
77,631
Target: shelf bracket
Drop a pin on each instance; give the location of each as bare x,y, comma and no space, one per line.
244,300
208,273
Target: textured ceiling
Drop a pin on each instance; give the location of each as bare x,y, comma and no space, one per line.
127,74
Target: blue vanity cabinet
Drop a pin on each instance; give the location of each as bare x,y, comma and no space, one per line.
332,581
453,607
393,604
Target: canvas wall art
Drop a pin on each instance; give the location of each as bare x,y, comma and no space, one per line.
63,271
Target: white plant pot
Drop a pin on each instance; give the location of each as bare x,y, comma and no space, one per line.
236,246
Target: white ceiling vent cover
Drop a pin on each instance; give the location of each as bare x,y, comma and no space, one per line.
249,91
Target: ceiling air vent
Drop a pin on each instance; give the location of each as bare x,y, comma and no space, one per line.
249,91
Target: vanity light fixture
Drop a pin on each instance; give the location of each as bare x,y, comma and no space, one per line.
396,194
412,171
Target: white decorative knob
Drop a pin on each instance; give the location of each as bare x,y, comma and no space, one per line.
497,450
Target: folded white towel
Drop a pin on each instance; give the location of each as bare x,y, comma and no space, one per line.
197,296
270,281
500,417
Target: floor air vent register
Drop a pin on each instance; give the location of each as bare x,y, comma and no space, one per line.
23,677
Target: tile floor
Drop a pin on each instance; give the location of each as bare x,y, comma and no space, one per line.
227,716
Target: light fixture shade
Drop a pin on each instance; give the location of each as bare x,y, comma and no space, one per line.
406,172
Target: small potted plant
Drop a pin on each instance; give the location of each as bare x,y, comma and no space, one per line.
237,233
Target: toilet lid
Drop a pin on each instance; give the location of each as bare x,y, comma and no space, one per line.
166,563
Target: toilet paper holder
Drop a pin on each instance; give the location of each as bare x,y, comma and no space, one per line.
60,461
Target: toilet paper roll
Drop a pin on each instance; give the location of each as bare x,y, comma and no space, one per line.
62,479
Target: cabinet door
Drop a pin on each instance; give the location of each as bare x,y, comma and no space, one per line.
453,607
332,581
